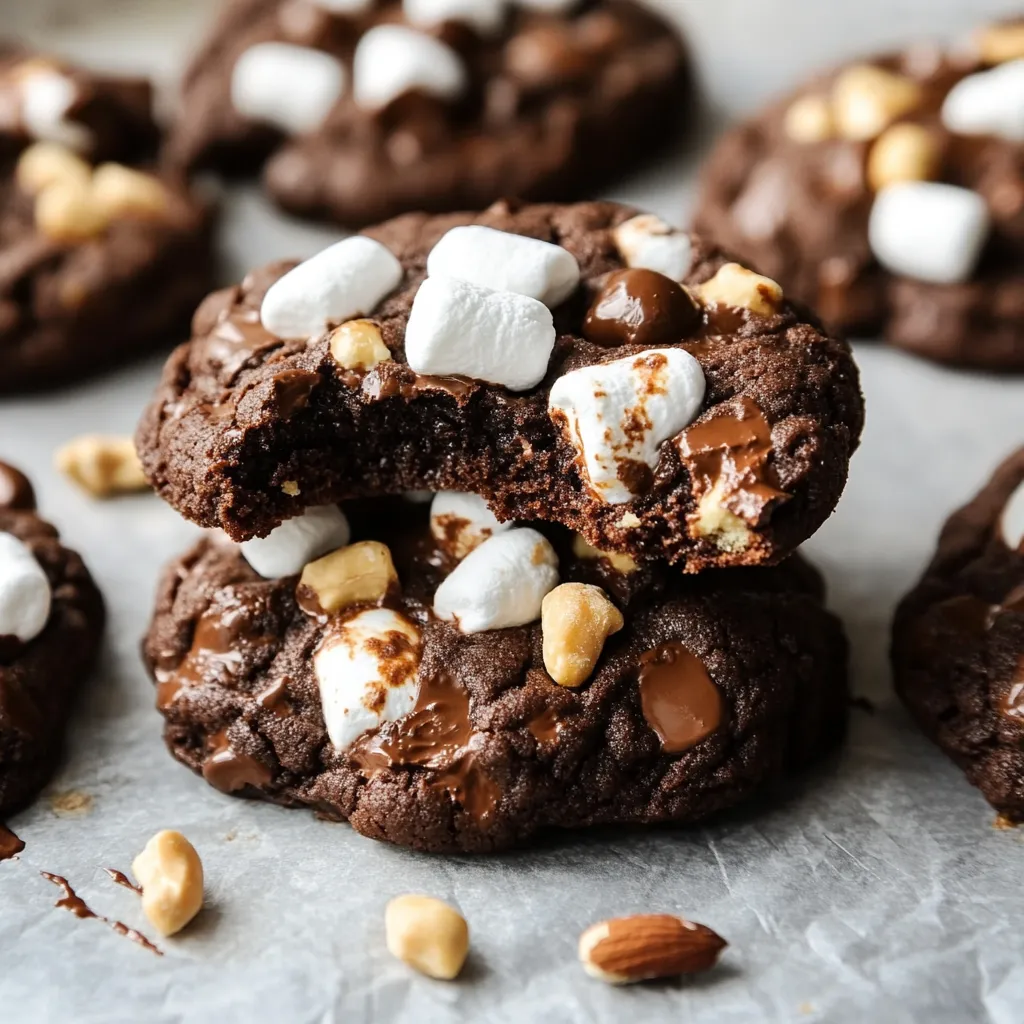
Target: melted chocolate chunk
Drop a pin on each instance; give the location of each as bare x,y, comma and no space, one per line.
10,844
292,389
641,307
15,490
231,770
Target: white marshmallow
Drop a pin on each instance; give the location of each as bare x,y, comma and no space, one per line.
461,522
549,6
928,231
460,328
506,263
344,281
46,97
648,243
988,103
1012,520
290,87
500,584
485,16
361,685
298,541
25,593
418,497
623,410
392,59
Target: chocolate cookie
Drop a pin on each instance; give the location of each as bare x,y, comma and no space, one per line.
549,360
890,196
369,109
98,259
958,641
405,684
51,623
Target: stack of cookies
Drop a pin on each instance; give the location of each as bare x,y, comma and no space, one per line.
511,504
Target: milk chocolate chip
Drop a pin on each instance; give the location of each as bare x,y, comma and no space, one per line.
640,307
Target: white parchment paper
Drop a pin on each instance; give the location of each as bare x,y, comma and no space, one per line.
874,889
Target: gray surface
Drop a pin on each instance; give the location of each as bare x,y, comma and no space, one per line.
878,889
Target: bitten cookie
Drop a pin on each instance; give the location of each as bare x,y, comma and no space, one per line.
889,195
958,641
463,686
98,260
369,109
544,356
51,623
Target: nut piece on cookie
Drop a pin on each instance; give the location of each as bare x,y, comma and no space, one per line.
25,594
999,43
500,584
624,564
361,573
462,522
345,281
617,414
647,243
427,934
366,670
103,466
576,620
358,345
866,99
723,527
171,875
736,286
65,212
118,191
809,119
296,542
904,152
45,163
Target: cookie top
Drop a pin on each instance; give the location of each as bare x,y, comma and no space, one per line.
889,195
51,623
540,362
369,109
958,640
462,686
98,259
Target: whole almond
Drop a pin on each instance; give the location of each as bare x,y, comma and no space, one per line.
645,946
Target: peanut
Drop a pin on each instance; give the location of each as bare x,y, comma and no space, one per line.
171,875
809,120
427,934
904,152
997,44
357,345
119,190
46,163
736,286
104,466
65,211
576,620
357,574
867,99
724,528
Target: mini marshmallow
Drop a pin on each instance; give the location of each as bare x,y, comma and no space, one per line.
929,231
25,593
618,413
345,281
298,541
46,98
1011,522
460,328
648,243
988,103
485,16
392,59
290,87
500,584
461,522
366,670
506,262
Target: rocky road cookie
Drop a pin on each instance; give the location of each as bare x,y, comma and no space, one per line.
958,641
369,109
98,260
51,622
546,357
461,686
889,195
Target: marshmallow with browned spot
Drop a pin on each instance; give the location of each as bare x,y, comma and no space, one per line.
461,522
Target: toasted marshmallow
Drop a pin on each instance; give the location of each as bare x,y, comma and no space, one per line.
485,16
988,103
506,262
366,670
1011,522
460,328
929,231
46,98
648,243
345,281
25,594
500,584
296,542
391,60
290,87
617,414
461,522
